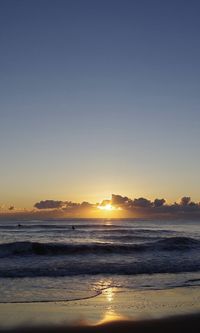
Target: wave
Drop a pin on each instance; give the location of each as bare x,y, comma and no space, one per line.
36,248
99,268
126,237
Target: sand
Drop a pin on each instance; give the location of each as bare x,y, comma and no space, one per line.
113,304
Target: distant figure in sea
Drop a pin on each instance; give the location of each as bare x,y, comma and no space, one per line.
73,227
19,225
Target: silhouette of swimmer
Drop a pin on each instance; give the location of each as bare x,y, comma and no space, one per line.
19,225
73,227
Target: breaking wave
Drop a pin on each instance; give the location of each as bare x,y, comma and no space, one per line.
36,248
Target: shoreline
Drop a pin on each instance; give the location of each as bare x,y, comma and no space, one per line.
113,304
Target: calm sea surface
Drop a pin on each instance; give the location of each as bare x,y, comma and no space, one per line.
75,259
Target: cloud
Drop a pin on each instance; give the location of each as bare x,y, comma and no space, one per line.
125,207
63,207
105,202
158,207
142,203
185,201
49,204
86,204
69,205
118,200
159,202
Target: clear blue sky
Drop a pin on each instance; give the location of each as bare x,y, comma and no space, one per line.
99,97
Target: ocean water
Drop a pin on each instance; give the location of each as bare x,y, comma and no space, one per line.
77,259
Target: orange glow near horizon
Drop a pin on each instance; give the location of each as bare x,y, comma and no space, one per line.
108,207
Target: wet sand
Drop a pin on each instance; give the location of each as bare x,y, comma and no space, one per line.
175,324
112,305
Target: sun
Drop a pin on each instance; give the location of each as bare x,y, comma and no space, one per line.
107,207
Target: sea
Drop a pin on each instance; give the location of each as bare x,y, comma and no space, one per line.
65,260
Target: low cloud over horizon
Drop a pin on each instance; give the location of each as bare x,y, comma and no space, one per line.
119,202
118,206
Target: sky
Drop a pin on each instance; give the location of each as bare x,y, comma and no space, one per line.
99,97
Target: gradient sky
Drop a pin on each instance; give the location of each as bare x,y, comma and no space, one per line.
99,97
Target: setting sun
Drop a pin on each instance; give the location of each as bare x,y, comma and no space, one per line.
107,207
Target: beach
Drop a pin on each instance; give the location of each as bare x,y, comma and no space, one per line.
111,306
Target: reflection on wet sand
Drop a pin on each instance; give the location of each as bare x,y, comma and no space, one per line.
113,305
110,313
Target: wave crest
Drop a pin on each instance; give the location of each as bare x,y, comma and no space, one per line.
36,248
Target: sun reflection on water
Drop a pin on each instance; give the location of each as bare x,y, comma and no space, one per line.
110,313
109,294
108,299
